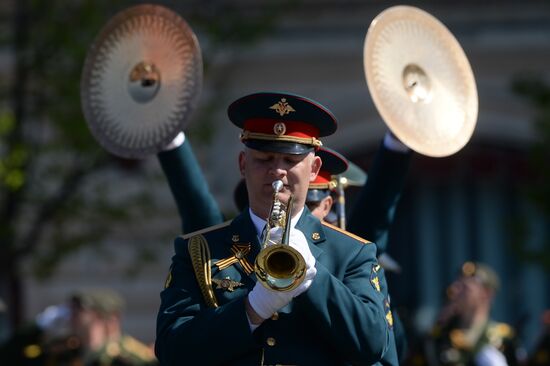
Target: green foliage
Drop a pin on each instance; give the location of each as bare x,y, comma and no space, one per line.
7,122
53,199
47,152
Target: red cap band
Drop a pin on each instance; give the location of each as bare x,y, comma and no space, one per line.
293,128
323,177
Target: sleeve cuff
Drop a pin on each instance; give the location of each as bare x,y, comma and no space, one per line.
251,326
176,142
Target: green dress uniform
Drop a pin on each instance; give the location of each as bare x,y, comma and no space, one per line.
196,205
340,320
374,211
333,165
386,179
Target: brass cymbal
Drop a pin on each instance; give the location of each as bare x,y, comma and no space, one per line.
141,80
420,81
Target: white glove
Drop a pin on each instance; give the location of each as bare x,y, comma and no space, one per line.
264,301
176,142
275,235
297,240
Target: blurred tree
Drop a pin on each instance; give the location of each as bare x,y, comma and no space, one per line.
537,92
56,193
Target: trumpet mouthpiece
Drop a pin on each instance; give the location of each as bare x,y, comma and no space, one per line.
277,185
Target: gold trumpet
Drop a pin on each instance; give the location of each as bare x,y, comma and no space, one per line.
279,266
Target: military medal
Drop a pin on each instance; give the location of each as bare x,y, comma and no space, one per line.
226,284
239,255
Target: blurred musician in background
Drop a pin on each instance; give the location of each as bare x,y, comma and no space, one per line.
464,333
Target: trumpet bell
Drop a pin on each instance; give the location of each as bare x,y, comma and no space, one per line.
280,267
420,81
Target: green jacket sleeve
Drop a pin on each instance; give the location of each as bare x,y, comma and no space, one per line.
347,311
374,210
189,332
196,205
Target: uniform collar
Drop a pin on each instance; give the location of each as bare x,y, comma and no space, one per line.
244,228
259,223
313,231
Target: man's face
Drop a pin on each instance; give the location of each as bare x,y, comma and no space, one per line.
469,292
261,168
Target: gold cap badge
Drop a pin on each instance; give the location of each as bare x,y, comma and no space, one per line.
282,107
279,128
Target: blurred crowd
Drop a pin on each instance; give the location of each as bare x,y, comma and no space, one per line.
85,329
465,334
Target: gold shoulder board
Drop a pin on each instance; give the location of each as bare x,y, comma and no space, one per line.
200,258
358,238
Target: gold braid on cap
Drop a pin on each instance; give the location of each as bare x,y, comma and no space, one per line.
247,135
327,185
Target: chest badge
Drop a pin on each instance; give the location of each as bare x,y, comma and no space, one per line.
226,284
239,252
315,236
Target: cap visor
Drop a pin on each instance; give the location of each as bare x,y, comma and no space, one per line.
316,195
283,147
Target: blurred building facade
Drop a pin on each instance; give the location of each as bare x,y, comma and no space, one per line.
459,208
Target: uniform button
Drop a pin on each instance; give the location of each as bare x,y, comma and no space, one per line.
275,316
271,341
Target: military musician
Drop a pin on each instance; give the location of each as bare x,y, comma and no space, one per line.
213,311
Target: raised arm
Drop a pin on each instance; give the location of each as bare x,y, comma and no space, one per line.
196,205
374,209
